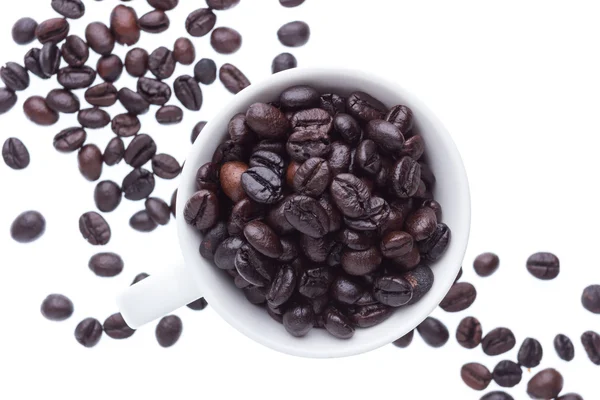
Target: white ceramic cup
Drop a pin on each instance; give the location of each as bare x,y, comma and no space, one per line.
178,285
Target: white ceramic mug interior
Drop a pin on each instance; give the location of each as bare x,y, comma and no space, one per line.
178,285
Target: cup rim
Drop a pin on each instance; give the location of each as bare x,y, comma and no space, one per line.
206,138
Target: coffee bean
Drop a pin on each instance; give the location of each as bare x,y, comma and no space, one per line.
140,150
507,374
267,121
23,31
361,262
386,135
198,305
402,117
165,166
232,78
226,252
73,9
158,210
8,99
205,71
212,239
337,324
312,178
350,195
299,97
370,315
197,129
141,222
88,332
164,5
49,60
262,185
139,277
313,119
267,159
229,151
225,40
591,345
405,340
367,159
405,177
75,51
188,92
29,226
52,30
396,244
110,67
364,107
347,127
564,347
433,332
545,266
37,110
106,264
476,376
414,147
113,154
169,115
230,178
421,280
31,60
316,249
100,38
94,228
14,76
530,353
392,290
155,21
408,261
61,100
459,298
101,95
76,77
138,184
200,22
222,4
315,282
294,34
93,118
307,216
15,154
486,264
570,396
333,103
291,3
90,162
202,210
136,62
299,319
107,196
498,341
469,332
546,384
125,125
57,307
354,240
435,245
345,290
254,267
125,25
69,140
496,395
168,330
161,63
133,102
116,327
591,298
282,62
242,213
263,239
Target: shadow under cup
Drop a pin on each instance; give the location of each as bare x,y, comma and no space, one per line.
451,191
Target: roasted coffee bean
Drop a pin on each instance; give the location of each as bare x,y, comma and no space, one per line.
93,118
591,298
254,294
350,195
225,40
88,332
339,158
337,324
316,249
564,347
290,249
101,95
110,67
253,266
435,245
164,5
476,376
61,100
545,266
347,127
570,396
498,341
386,135
14,76
405,340
507,374
421,280
73,9
52,30
139,277
591,345
230,177
29,226
530,353
69,140
307,216
75,51
200,22
114,151
233,79
49,59
263,239
262,185
290,173
106,264
222,4
395,221
116,327
141,222
315,282
377,214
364,107
57,307
392,290
23,31
294,34
8,99
226,252
414,147
138,184
202,210
402,117
205,71
229,151
396,244
94,228
298,320
100,38
169,115
313,119
282,62
136,62
125,25
107,196
367,158
207,177
335,218
267,121
361,262
268,159
155,21
161,63
409,260
459,298
188,92
345,290
165,166
370,315
15,154
299,97
31,60
405,177
197,129
333,103
133,102
312,177
212,239
469,333
154,91
173,204
486,264
546,384
184,51
125,125
76,77
37,110
433,332
354,240
497,395
168,330
276,218
90,162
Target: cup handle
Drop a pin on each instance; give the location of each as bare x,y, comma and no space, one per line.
158,295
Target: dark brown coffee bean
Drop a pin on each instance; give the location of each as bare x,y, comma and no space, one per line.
497,395
15,154
212,239
94,228
125,125
409,260
225,40
222,4
316,249
476,376
546,384
402,117
367,159
14,76
155,21
421,279
370,315
136,62
262,185
69,140
469,333
405,340
37,110
354,240
294,34
93,118
52,30
333,103
350,195
88,332
396,244
299,97
507,374
154,91
169,115
545,266
113,154
337,324
200,22
226,252
107,196
339,158
100,38
23,31
164,5
133,102
232,78
263,239
254,267
364,107
345,290
361,262
138,184
230,177
188,92
205,71
386,135
564,347
591,344
414,147
76,78
347,127
498,341
31,60
139,277
28,227
570,396
168,330
335,217
313,119
101,95
277,220
161,63
141,222
391,290
8,99
312,178
530,354
315,282
207,177
299,319
590,298
140,150
57,307
486,264
197,129
282,62
405,177
125,25
116,327
49,59
106,264
267,121
165,166
202,210
73,9
184,51
75,51
110,67
307,216
267,159
459,298
61,100
433,332
90,162
291,3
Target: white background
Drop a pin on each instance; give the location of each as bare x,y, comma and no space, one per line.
516,82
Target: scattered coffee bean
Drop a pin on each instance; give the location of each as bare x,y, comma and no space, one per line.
161,63
93,118
52,30
90,162
107,196
158,210
405,340
138,184
114,151
570,396
101,95
88,332
100,38
197,129
433,332
94,228
23,31
282,62
496,395
294,34
116,327
205,71
476,376
140,150
545,266
15,154
507,374
73,9
486,264
225,40
546,384
184,51
125,25
155,21
168,330
125,125
498,341
165,166
591,298
564,347
198,305
37,110
133,102
139,277
169,115
530,354
200,22
106,264
188,92
460,297
76,77
291,3
29,226
141,222
14,76
591,345
49,59
57,307
64,101
136,62
8,99
233,79
110,68
469,333
75,51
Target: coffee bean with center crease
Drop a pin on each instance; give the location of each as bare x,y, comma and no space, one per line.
106,264
124,25
23,31
57,307
225,40
469,333
73,9
392,290
507,374
14,76
232,78
154,91
31,60
312,178
169,115
61,100
226,252
564,347
212,239
476,376
370,315
421,280
243,212
114,151
205,71
545,266
433,332
263,239
155,21
133,102
590,298
267,121
101,95
200,22
125,125
28,227
138,184
530,354
497,395
93,118
110,67
282,62
94,228
100,38
107,196
262,185
37,110
312,119
435,245
184,51
350,195
161,63
75,51
459,298
188,92
486,264
316,249
367,158
305,144
49,59
136,62
88,332
52,30
294,34
268,159
202,210
498,341
333,103
361,262
207,177
116,327
158,210
90,162
365,107
69,140
140,150
406,177
402,117
76,78
164,5
337,323
307,216
8,99
405,340
15,154
277,220
396,244
546,384
591,345
141,222
253,266
378,212
229,151
315,282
